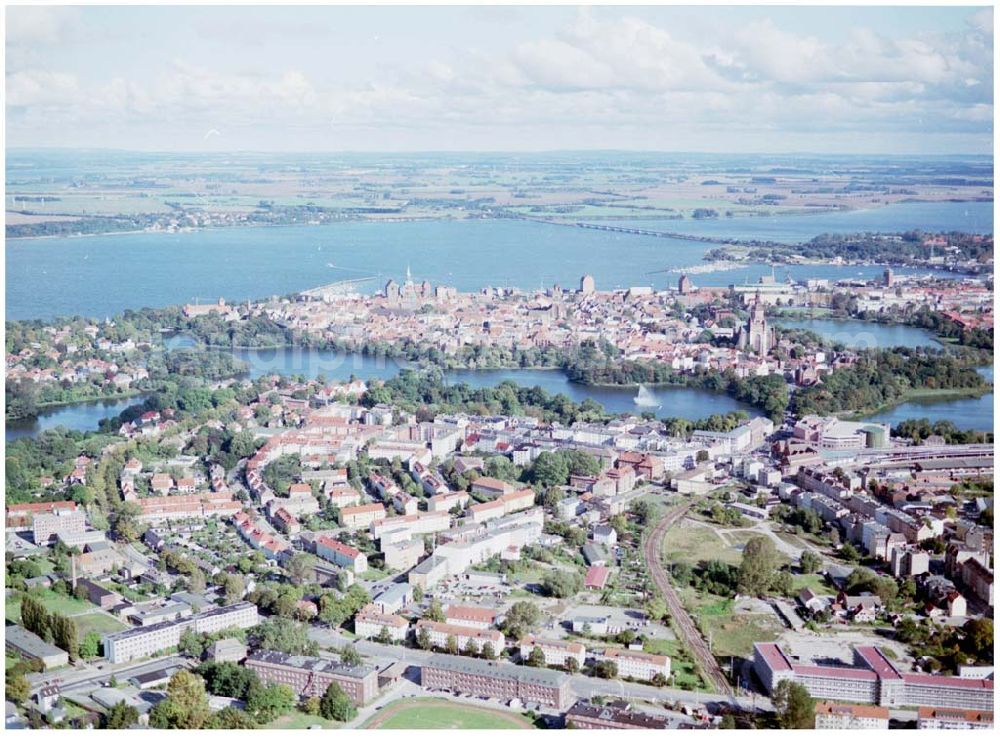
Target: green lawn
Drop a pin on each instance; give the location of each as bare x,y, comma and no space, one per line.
682,670
731,634
56,603
442,715
97,622
300,721
693,545
815,582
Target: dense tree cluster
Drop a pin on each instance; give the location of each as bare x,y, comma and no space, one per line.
883,377
919,429
49,626
898,249
286,636
425,393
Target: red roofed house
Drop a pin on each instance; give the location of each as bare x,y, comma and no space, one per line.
597,577
361,516
341,554
470,616
491,487
21,515
286,522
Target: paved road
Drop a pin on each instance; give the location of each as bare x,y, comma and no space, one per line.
583,687
682,623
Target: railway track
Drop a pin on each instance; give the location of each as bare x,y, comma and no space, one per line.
683,625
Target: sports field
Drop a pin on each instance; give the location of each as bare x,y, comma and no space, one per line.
430,714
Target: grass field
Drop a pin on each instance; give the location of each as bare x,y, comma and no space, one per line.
815,582
424,714
300,721
692,544
682,670
97,622
732,634
57,603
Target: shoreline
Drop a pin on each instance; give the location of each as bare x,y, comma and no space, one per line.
803,213
46,408
932,396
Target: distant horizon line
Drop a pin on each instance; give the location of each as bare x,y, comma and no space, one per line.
511,152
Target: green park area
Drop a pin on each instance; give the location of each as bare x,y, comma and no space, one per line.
426,714
300,721
729,633
692,545
683,672
53,602
87,617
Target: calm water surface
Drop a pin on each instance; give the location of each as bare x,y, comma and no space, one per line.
103,275
859,334
81,416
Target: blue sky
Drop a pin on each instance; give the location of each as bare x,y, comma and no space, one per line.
725,79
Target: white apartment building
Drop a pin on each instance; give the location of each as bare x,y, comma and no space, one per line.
361,516
341,554
402,555
556,652
413,525
446,502
143,642
637,664
46,526
471,616
440,632
938,718
370,620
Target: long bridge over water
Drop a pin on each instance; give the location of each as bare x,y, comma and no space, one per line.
631,230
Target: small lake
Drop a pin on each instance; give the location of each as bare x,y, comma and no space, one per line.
675,401
971,413
861,334
975,413
80,416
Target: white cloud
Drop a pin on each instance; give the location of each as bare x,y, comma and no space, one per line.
623,74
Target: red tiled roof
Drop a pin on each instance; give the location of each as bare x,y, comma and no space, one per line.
471,612
935,680
337,546
774,656
597,576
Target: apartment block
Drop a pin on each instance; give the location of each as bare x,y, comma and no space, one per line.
556,652
370,620
937,718
836,716
440,633
402,555
341,554
142,642
47,526
361,516
491,679
309,676
637,664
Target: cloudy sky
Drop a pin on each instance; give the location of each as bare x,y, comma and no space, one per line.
892,80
